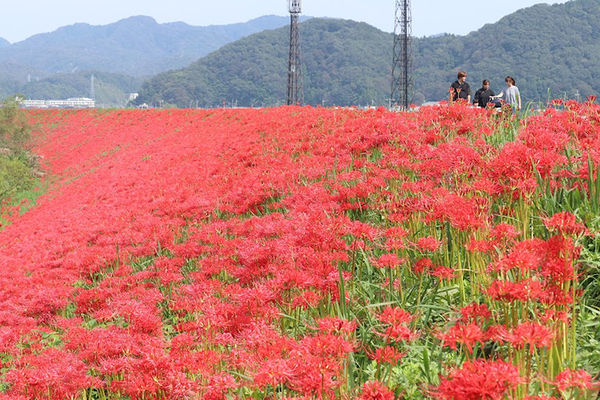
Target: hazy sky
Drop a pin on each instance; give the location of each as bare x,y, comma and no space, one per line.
21,19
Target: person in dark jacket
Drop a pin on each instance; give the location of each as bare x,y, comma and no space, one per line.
484,95
460,89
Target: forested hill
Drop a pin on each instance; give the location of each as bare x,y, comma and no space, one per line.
345,62
4,42
546,48
136,46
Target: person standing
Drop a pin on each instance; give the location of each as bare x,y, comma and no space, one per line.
511,94
460,89
483,95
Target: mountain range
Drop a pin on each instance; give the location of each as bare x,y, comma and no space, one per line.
129,50
136,46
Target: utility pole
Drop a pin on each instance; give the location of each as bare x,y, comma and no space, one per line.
295,91
402,62
92,89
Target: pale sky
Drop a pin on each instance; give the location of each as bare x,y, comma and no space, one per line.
22,19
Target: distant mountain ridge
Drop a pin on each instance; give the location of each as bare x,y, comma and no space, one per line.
136,46
59,64
551,50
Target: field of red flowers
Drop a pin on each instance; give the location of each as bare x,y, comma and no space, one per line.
302,253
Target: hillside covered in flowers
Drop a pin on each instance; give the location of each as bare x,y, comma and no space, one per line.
301,253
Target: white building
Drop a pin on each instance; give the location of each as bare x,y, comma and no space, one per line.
75,102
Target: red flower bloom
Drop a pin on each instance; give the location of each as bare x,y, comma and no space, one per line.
332,326
387,355
443,272
565,223
389,260
397,319
467,335
428,244
375,390
570,378
478,380
474,312
531,333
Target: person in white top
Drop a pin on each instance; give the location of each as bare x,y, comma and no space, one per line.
511,94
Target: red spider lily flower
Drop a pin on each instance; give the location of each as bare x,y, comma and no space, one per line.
463,213
478,380
559,270
273,372
400,333
375,390
361,230
394,238
395,315
520,258
332,326
524,291
565,223
308,298
591,98
422,264
551,315
218,386
578,378
474,313
397,319
443,272
389,260
11,396
475,246
387,355
468,335
326,345
503,233
561,247
496,333
428,244
52,374
531,333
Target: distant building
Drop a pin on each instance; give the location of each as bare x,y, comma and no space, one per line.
133,96
75,102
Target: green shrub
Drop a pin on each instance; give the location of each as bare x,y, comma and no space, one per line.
17,166
16,176
15,132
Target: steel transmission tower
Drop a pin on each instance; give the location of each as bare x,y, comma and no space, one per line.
295,91
402,62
